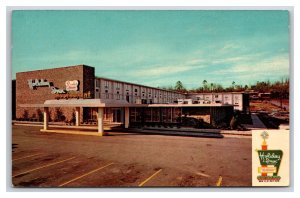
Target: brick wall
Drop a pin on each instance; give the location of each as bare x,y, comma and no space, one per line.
57,76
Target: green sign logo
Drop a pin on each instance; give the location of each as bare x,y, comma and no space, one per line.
270,162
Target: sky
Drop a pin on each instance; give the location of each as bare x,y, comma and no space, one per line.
156,48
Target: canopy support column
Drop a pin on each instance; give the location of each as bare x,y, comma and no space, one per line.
100,121
126,117
46,118
77,115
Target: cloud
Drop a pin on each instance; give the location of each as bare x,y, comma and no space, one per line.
163,70
169,68
250,69
277,64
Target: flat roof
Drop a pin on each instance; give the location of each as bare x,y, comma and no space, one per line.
104,78
56,67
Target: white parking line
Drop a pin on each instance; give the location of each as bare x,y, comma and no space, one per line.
141,184
202,174
42,167
86,174
27,156
219,182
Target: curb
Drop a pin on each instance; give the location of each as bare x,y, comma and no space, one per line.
210,131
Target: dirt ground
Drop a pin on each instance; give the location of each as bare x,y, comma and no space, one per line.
263,106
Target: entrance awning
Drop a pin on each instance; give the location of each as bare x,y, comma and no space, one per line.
84,103
109,103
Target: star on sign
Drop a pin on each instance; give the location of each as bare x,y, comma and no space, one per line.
264,135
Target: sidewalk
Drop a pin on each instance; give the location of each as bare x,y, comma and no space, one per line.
64,126
214,133
184,131
257,123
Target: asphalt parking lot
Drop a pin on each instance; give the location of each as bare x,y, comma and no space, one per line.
42,159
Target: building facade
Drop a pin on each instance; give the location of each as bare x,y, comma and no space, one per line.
75,93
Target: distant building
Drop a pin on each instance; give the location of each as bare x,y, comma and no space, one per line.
239,100
264,96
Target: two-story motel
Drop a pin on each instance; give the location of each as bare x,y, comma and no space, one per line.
75,93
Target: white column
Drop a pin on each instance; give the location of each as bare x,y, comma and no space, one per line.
77,115
46,118
126,117
100,120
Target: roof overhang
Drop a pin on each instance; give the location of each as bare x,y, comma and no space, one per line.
109,103
188,105
84,103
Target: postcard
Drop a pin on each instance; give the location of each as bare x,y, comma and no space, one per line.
150,98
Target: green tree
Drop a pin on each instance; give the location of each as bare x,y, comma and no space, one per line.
204,85
211,86
179,86
233,85
218,88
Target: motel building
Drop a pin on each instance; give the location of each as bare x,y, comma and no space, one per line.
74,94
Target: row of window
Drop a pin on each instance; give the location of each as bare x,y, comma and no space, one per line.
151,92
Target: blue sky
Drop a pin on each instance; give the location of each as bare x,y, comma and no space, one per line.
156,48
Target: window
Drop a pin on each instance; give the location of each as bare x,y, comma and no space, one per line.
118,95
135,90
106,84
97,82
118,85
106,94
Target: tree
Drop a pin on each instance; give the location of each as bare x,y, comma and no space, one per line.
233,84
40,115
179,86
233,123
218,87
26,115
204,85
59,116
211,86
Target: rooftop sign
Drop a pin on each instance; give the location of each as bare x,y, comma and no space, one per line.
33,83
72,85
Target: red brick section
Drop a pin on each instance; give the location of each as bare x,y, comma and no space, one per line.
58,76
264,147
